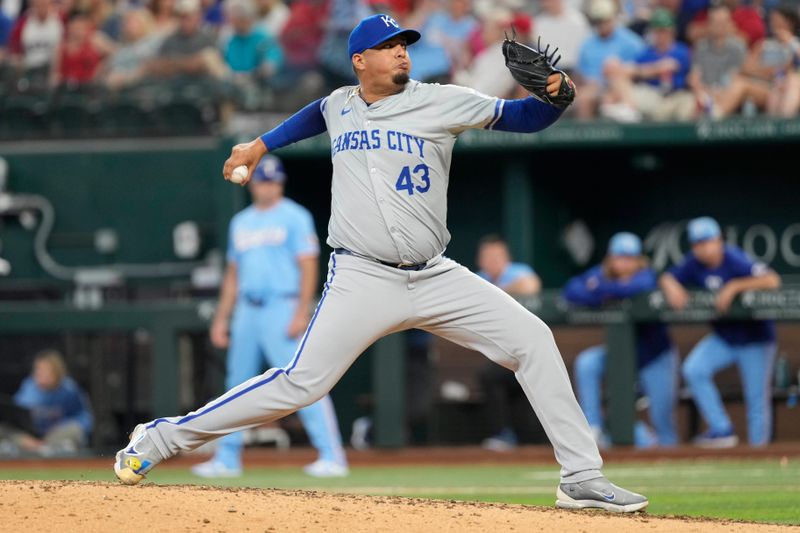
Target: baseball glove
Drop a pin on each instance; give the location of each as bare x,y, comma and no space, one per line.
531,68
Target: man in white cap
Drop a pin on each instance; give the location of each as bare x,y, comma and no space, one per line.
608,42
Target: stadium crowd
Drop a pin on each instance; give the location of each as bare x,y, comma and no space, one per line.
632,59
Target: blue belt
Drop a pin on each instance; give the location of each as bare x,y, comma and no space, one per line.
256,301
418,266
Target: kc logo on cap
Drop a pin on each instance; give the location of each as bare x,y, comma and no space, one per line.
389,20
376,29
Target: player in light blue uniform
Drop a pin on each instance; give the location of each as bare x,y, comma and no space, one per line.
727,271
270,279
625,273
496,267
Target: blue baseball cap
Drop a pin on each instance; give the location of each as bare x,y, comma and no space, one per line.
625,243
703,229
376,29
269,169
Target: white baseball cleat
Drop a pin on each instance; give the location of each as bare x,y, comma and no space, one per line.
323,468
599,493
214,469
132,464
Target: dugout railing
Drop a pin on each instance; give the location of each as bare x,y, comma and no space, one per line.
166,320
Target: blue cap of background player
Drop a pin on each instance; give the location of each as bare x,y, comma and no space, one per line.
373,30
625,244
269,169
703,229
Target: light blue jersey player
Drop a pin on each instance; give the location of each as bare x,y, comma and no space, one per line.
269,282
496,267
727,271
500,388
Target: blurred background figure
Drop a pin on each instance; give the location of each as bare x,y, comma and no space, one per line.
191,50
164,19
6,25
445,26
300,39
80,54
748,20
60,417
266,296
625,273
717,60
499,385
654,86
139,44
252,54
768,80
608,42
487,73
35,40
104,18
560,24
272,16
727,271
336,63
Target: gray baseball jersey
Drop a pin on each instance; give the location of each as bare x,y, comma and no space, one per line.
391,166
390,173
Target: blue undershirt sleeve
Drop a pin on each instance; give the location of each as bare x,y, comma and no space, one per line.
526,115
306,123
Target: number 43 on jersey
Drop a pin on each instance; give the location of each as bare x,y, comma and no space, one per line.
406,183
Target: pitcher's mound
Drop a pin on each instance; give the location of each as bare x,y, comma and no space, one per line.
30,506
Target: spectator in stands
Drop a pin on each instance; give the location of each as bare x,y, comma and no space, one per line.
747,20
445,32
559,24
716,62
301,79
164,20
625,273
333,56
727,271
654,87
272,16
398,9
213,14
608,41
81,52
139,44
103,16
303,33
768,80
521,22
499,385
35,39
487,73
252,54
60,413
190,50
6,24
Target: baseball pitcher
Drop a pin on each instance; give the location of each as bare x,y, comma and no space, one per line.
391,144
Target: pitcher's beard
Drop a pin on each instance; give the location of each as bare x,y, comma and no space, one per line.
401,78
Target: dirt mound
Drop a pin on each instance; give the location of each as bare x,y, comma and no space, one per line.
30,506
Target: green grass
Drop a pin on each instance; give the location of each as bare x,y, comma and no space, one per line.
756,490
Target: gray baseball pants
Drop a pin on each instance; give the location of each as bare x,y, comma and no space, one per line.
363,301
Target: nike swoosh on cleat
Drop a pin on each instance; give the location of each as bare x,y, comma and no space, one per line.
346,111
608,497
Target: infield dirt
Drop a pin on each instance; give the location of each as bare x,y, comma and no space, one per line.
32,506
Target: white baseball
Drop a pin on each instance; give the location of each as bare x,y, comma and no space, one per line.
239,174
